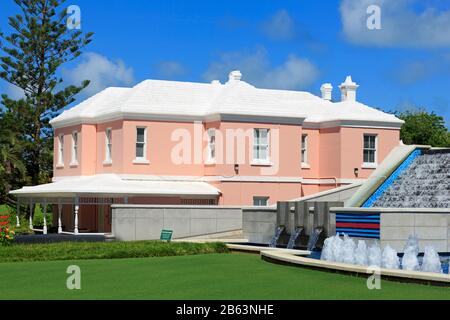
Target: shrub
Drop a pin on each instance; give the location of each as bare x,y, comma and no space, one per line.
38,218
105,250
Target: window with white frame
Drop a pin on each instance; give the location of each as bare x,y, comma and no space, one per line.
108,145
74,148
260,201
211,145
370,149
61,150
261,146
304,148
141,144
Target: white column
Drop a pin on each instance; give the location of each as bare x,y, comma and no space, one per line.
44,213
18,214
77,208
59,216
31,214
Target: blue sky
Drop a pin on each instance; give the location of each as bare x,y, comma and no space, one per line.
295,45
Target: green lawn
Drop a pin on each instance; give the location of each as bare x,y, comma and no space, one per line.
213,276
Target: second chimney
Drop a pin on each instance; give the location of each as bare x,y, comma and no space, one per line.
348,89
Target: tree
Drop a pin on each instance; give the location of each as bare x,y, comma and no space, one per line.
424,128
39,44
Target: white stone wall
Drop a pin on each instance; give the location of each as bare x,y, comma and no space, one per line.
259,224
432,229
141,222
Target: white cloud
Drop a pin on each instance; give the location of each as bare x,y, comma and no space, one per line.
281,26
403,24
171,69
101,71
293,73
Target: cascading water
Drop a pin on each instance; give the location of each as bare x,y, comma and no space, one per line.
294,237
424,184
276,237
336,249
313,238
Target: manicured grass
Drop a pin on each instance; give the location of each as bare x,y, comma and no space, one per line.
213,276
104,250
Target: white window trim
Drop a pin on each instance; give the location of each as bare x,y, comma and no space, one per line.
305,146
141,160
60,161
371,165
261,198
210,159
108,150
74,157
261,162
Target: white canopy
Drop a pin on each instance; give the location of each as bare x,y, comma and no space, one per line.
112,185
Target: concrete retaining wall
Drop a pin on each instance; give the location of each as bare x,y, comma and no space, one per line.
431,226
259,224
145,222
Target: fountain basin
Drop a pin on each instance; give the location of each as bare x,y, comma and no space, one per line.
390,274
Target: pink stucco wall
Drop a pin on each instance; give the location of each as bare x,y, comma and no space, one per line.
333,152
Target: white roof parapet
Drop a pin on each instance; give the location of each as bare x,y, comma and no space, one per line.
187,102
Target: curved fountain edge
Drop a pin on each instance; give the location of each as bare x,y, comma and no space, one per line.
258,250
398,275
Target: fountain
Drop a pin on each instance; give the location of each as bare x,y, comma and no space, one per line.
361,253
410,261
374,255
313,238
389,258
413,242
273,243
327,250
336,249
431,261
417,187
348,250
294,237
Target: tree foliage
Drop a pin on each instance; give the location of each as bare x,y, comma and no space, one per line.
424,128
34,50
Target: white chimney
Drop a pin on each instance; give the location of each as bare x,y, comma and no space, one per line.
348,89
235,76
327,91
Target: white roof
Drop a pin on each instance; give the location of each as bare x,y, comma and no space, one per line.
156,99
111,184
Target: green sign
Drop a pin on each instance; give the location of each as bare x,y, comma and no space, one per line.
166,235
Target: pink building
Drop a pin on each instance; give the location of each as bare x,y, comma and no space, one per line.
167,142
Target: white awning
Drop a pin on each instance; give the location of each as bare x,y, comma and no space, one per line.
110,185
